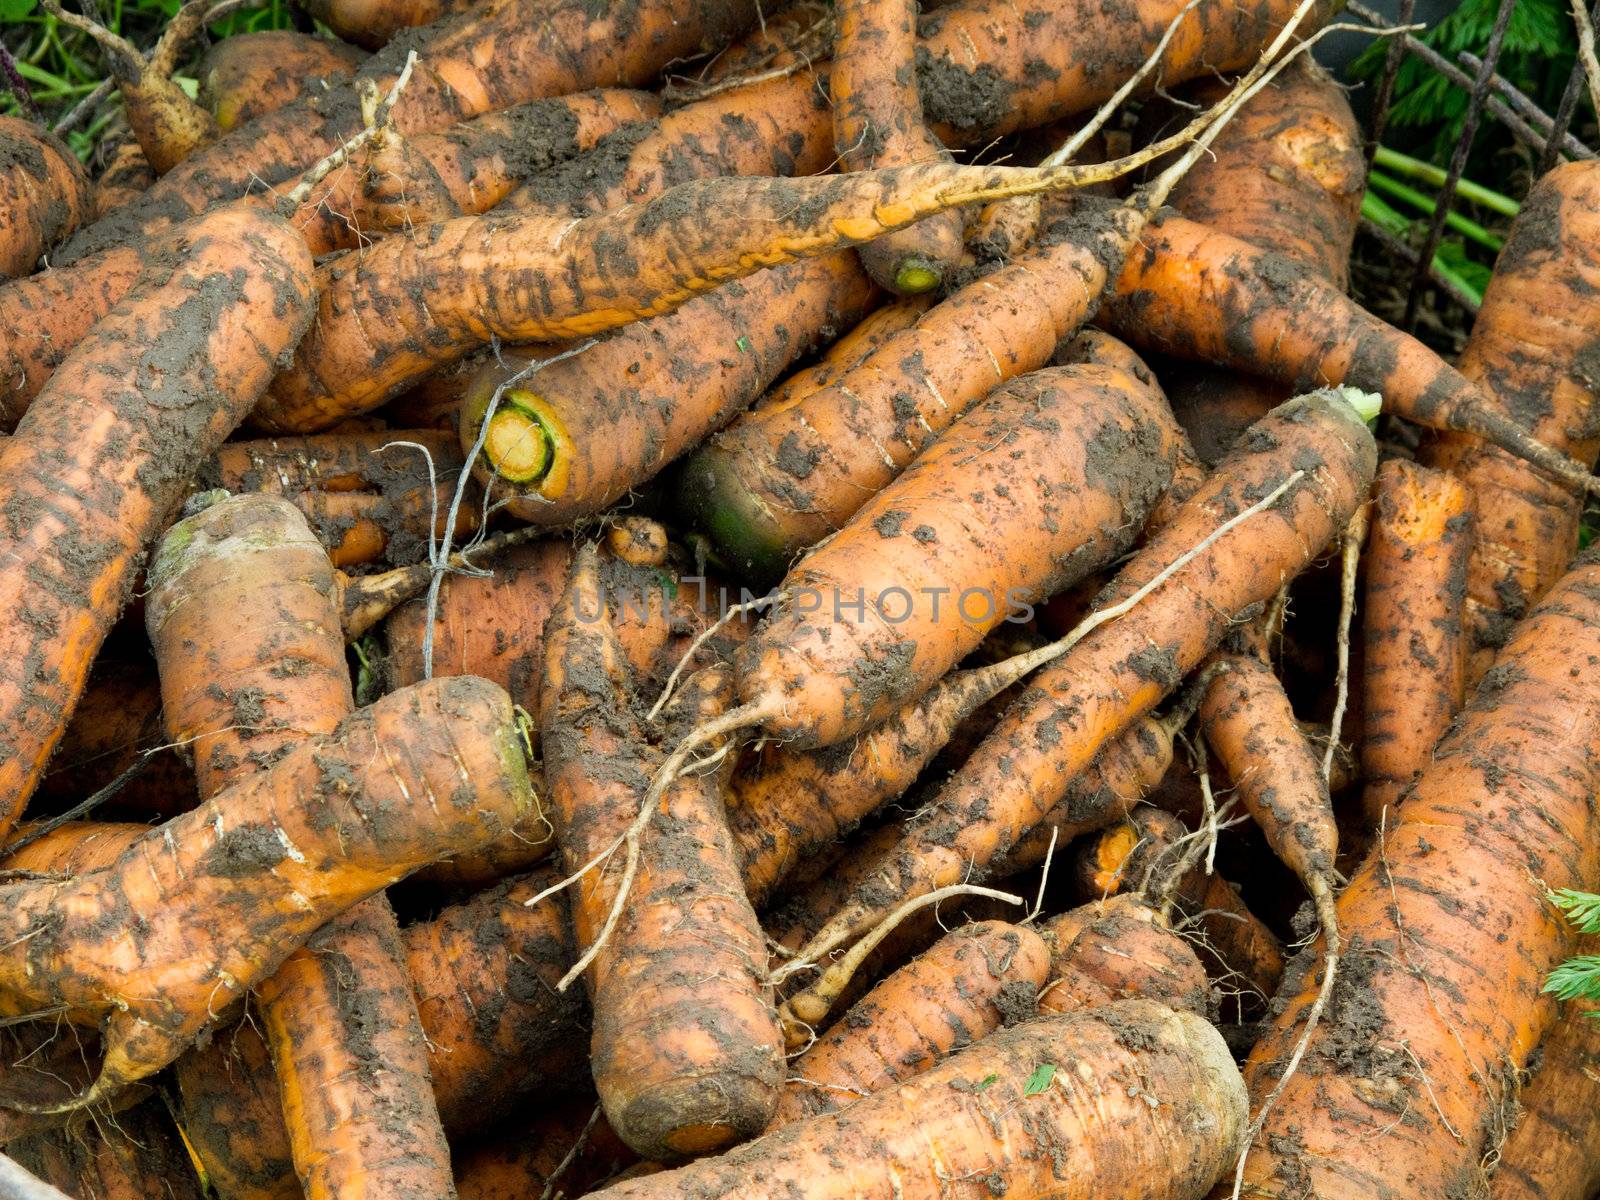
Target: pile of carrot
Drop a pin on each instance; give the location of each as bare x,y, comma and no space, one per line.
663,599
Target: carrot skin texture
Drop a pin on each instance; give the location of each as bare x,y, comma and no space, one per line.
635,402
371,23
877,122
248,75
1417,564
785,475
1448,934
339,1011
1531,350
153,991
126,176
1077,704
44,194
74,848
125,422
682,1067
961,989
1118,949
1014,501
1080,1137
135,1154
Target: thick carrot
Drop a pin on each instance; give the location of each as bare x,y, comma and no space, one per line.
126,175
1204,295
44,194
1553,1153
1040,1109
686,1052
105,452
371,23
250,74
345,806
1317,456
135,1154
1417,559
1046,480
572,438
787,474
1117,949
478,62
1532,352
455,286
877,122
964,987
1449,935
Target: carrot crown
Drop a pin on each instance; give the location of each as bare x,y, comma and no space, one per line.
527,444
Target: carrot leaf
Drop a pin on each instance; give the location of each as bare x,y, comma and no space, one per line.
1582,909
1576,979
1040,1079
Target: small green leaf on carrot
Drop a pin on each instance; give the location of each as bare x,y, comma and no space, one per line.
743,343
985,1082
1042,1075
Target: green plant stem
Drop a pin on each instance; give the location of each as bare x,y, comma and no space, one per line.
1397,223
1462,225
1434,176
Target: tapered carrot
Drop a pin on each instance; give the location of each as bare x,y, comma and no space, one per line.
44,194
578,434
785,475
250,74
73,848
1120,670
1450,935
877,122
231,1117
1117,949
965,986
1552,1153
122,426
686,1050
511,52
1015,1112
154,986
1529,352
1207,296
1417,558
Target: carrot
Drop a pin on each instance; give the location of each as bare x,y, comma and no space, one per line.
371,23
576,435
1530,353
535,1157
787,474
1551,1154
1014,1113
250,74
477,62
799,31
1119,671
126,174
877,122
1207,296
74,848
1416,649
686,1051
1449,935
1144,853
1117,949
106,450
134,1155
964,987
44,194
877,327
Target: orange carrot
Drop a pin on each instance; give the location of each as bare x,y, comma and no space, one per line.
124,424
371,23
1417,558
571,1151
965,986
248,75
877,122
74,848
1449,936
1120,670
135,1154
877,327
686,1051
44,194
1117,949
126,175
1530,352
1040,1109
576,435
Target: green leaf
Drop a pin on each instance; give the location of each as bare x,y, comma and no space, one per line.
1576,979
16,10
985,1082
1040,1079
1582,909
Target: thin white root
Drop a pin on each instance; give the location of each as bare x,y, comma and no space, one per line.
705,635
375,122
1355,535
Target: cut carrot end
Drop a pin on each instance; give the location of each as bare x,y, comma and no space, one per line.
527,445
915,277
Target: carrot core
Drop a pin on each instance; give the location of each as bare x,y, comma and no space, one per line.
519,446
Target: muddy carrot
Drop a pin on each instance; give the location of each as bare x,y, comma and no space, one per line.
126,175
578,434
962,988
73,848
570,1151
132,413
872,331
1530,351
44,195
1449,935
1417,559
247,75
1117,949
135,1154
